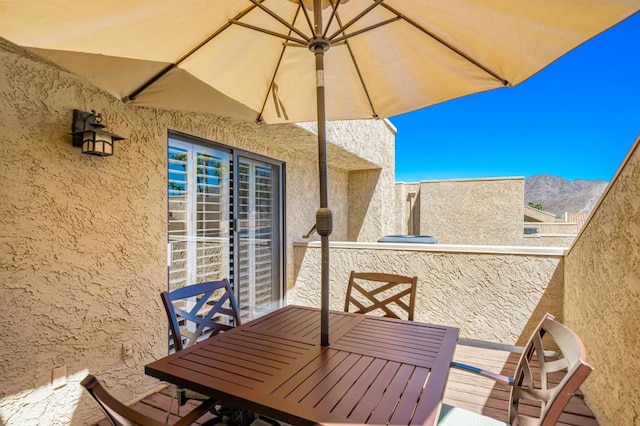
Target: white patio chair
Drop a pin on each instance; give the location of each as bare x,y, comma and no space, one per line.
527,386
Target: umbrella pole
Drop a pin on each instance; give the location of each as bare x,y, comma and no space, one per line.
324,218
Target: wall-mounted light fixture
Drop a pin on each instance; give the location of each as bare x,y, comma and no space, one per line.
87,131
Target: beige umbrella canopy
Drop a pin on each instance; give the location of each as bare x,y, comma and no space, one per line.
423,52
251,58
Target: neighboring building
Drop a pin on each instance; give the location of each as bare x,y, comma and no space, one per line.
548,230
462,211
487,211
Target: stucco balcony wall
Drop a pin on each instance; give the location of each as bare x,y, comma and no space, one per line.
493,293
602,296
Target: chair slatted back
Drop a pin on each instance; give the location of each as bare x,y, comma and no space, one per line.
199,311
119,414
559,376
389,294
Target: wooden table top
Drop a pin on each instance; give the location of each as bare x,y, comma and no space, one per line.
375,370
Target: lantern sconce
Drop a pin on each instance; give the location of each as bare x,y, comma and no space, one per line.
88,132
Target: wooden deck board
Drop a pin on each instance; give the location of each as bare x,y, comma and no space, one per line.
463,389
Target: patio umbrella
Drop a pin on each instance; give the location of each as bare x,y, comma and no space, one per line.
265,59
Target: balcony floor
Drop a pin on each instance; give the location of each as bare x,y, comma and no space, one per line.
464,390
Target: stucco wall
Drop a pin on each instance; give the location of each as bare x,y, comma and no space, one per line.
492,293
465,211
370,210
548,240
602,281
83,256
561,228
474,211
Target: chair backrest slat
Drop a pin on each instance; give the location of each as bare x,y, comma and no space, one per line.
389,294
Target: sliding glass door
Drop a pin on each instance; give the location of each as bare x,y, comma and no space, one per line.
258,233
225,213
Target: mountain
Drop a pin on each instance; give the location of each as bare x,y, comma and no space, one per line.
558,195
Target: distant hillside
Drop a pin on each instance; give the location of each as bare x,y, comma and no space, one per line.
558,195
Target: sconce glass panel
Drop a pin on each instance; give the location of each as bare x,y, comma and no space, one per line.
97,143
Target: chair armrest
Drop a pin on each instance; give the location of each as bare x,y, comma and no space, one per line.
471,369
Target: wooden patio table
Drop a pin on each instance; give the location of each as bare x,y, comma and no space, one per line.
376,370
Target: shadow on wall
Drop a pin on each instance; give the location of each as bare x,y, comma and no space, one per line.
362,185
552,301
414,217
299,252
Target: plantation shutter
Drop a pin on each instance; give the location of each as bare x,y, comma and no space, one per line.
198,192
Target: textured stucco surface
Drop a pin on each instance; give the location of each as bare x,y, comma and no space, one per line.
465,211
555,227
602,280
370,180
83,239
490,296
476,211
549,240
486,211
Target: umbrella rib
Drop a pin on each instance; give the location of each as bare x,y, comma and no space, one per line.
333,15
502,80
280,19
275,72
355,64
364,30
307,17
355,19
169,67
269,32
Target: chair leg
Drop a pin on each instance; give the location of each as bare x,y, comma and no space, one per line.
173,397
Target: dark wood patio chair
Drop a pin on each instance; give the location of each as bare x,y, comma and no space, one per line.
121,415
389,294
199,311
196,312
543,383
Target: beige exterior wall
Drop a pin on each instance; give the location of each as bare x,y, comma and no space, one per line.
84,238
491,293
551,234
476,211
548,240
371,176
560,228
473,211
602,297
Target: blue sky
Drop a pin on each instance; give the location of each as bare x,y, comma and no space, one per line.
576,119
